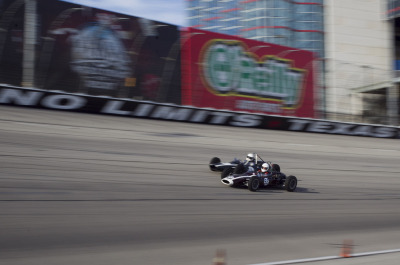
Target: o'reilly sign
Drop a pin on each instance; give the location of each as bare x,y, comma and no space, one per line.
229,68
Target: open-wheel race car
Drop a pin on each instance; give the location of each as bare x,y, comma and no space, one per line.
252,162
258,180
216,164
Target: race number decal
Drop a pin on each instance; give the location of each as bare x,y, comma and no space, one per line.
266,181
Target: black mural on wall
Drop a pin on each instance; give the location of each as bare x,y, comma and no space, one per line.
11,41
91,51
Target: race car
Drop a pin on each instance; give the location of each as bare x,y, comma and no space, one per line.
254,181
216,164
237,166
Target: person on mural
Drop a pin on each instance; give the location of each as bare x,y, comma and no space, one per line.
91,44
99,52
99,56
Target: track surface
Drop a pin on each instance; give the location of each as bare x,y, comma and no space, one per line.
91,189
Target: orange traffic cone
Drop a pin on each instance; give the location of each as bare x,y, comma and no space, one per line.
347,249
219,257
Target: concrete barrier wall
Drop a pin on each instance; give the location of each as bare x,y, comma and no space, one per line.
57,100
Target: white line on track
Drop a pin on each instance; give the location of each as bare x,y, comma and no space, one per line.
375,252
329,257
300,144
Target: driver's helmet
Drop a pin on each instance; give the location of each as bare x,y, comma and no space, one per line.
250,157
265,167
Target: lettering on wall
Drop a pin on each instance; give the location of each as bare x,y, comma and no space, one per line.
144,109
229,69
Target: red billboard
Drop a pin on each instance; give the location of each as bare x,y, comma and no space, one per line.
227,72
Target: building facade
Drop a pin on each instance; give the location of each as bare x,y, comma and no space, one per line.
359,50
354,42
290,23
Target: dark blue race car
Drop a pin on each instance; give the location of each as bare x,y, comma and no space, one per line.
255,181
237,166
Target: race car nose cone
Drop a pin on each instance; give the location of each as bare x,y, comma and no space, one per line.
227,181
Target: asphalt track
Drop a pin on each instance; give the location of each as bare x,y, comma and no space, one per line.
92,189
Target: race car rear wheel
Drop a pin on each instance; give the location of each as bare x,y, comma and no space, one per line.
276,167
214,160
254,183
291,183
240,169
226,172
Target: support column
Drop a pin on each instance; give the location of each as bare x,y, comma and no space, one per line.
392,92
392,101
28,64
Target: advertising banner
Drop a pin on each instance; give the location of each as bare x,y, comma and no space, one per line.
98,52
91,51
228,72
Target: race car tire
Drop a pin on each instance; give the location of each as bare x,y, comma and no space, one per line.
240,169
291,183
254,183
276,167
214,160
226,172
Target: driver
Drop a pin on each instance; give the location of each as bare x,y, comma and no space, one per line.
250,161
250,158
265,170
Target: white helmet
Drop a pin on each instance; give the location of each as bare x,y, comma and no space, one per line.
265,167
250,157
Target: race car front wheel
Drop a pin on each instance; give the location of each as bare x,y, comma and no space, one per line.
254,183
